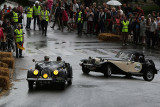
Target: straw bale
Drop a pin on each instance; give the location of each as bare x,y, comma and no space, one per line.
109,37
9,61
5,54
4,82
4,72
2,64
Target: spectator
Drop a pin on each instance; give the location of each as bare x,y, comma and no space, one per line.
101,20
75,6
90,17
152,33
142,29
147,32
65,20
2,37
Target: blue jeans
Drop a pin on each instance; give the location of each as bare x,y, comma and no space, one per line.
28,22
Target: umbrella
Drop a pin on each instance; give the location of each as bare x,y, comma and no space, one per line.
114,3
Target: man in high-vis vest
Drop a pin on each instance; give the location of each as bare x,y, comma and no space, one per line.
19,40
79,19
14,18
125,24
36,14
44,17
29,16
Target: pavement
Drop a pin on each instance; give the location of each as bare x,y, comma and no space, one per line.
93,90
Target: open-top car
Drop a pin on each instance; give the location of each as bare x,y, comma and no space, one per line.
125,62
50,72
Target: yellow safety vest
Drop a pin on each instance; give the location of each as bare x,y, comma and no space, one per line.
125,26
79,17
19,35
29,13
46,15
15,17
37,10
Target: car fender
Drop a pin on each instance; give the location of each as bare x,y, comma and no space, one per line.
153,67
30,73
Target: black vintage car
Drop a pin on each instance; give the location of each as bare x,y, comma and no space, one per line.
50,72
125,62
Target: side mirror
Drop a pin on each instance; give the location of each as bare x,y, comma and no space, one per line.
33,60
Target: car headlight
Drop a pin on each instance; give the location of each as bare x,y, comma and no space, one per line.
45,76
35,72
55,72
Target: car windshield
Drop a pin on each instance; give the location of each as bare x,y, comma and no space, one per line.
123,55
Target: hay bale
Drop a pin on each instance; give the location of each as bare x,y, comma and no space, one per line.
4,72
3,65
8,61
4,82
109,37
6,54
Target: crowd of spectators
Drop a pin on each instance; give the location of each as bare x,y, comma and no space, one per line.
94,19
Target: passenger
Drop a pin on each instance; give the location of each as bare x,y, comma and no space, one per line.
59,59
46,58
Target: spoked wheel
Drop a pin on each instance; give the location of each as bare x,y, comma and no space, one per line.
148,75
30,85
108,71
85,70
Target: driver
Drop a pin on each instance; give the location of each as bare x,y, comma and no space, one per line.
46,58
59,59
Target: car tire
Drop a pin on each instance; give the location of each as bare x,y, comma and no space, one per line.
149,74
70,82
30,85
108,71
85,70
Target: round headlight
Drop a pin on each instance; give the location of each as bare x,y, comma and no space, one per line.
35,72
45,75
55,72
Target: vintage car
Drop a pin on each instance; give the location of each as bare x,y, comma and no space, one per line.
50,72
125,62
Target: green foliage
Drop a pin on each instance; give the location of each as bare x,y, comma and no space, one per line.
150,8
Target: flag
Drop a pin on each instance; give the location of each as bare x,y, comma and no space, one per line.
20,47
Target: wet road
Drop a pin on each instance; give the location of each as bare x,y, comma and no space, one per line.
93,90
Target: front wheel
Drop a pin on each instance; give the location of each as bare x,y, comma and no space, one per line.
107,71
148,75
85,70
70,82
30,85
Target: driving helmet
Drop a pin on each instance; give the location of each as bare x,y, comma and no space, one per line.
46,58
59,58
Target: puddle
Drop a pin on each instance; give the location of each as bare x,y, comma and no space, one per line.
87,86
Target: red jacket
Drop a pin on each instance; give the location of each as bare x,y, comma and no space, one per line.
1,33
64,16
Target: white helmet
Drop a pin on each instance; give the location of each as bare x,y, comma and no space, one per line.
36,2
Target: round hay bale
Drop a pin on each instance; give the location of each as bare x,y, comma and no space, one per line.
109,37
9,61
5,54
4,72
3,65
4,82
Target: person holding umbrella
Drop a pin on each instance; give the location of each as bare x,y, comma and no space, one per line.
19,40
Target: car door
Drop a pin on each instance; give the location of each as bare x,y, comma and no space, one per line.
121,64
134,66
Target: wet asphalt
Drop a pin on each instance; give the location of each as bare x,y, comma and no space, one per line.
93,90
